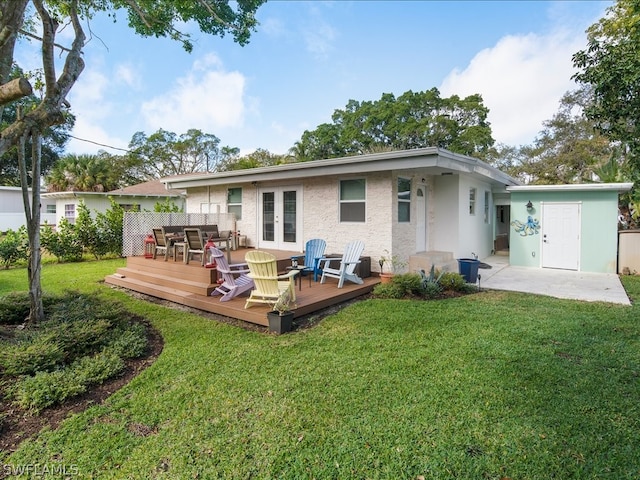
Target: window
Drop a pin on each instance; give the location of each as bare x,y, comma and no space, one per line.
487,200
129,207
352,200
51,208
404,200
70,212
472,201
234,202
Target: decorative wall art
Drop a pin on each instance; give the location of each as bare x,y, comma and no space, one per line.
530,227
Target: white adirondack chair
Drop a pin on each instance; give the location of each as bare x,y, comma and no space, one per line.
234,276
348,262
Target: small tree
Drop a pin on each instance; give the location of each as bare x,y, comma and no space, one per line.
14,246
63,242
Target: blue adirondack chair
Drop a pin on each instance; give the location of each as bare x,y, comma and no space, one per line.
313,252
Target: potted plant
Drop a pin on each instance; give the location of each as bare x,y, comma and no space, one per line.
281,317
395,265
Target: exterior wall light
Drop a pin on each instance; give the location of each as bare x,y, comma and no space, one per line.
529,206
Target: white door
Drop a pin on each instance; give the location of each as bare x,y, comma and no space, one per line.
560,229
421,219
280,218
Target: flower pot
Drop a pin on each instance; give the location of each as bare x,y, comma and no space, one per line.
386,277
280,323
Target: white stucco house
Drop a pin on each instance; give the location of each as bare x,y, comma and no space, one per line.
12,214
424,205
427,206
142,196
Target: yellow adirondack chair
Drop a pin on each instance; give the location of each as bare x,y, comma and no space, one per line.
263,269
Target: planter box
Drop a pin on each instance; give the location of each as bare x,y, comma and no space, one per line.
280,323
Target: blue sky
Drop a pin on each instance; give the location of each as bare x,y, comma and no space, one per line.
309,58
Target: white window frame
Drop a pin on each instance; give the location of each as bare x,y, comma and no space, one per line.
403,201
354,201
235,207
487,205
473,194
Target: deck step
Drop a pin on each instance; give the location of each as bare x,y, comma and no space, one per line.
161,279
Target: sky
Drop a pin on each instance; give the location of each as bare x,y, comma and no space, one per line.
309,58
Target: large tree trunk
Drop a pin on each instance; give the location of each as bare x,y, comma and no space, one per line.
32,213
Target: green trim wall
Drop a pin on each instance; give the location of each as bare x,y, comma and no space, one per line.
598,224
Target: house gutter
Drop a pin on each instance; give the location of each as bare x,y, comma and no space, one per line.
582,187
442,161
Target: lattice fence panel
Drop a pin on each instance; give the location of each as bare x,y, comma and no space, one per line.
137,225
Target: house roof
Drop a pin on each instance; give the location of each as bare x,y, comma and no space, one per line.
581,187
436,160
154,188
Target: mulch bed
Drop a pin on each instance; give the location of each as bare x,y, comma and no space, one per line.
16,424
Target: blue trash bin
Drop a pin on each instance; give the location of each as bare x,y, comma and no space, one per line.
468,268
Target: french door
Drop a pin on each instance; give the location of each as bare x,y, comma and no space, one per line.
280,218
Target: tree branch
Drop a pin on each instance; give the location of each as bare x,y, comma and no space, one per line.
15,89
49,27
40,39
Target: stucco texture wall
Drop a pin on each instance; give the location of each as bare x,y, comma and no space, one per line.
598,241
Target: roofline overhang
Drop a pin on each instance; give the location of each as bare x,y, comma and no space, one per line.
431,157
70,194
582,187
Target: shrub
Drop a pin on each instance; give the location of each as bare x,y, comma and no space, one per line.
45,389
64,243
388,290
14,308
42,353
14,246
453,281
131,343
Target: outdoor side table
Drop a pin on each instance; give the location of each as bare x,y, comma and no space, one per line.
176,249
299,268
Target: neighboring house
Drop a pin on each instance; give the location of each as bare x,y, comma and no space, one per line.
425,205
12,209
143,196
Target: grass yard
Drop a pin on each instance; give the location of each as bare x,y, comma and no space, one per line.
488,386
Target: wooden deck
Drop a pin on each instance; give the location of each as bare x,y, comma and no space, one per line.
192,284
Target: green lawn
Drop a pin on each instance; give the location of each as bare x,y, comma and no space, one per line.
488,386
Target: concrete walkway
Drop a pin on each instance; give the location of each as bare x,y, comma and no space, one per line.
590,287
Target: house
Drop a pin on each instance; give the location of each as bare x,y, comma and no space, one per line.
428,206
142,196
12,209
417,204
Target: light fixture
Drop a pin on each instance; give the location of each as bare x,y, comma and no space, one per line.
529,206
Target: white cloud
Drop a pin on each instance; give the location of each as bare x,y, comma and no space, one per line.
207,98
128,75
521,80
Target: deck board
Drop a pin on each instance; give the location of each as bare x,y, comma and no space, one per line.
191,285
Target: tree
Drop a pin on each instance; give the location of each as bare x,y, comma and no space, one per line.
413,120
259,158
85,173
157,18
569,149
611,65
54,138
164,154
